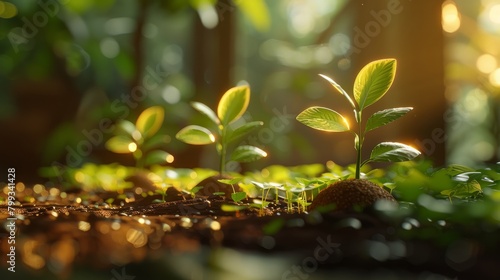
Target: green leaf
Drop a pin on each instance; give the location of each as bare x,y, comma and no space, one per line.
120,144
233,104
205,110
339,88
247,153
393,152
455,169
126,127
464,190
155,142
197,3
158,157
232,208
257,12
324,119
386,116
373,81
274,226
238,196
231,181
242,130
150,121
195,135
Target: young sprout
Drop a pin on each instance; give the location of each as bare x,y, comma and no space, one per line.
142,138
232,106
371,84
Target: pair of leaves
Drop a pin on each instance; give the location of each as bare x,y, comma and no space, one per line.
372,83
231,107
325,119
131,135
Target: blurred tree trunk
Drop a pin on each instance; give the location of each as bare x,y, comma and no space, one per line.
411,32
214,56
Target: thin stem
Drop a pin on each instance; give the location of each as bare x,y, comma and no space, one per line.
222,157
358,161
361,138
222,168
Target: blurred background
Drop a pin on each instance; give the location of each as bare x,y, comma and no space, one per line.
70,69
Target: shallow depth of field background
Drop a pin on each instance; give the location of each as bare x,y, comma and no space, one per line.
67,66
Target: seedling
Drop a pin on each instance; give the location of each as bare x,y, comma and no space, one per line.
232,106
371,84
142,138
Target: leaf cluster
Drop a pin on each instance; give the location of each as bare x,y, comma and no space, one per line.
141,138
370,85
232,105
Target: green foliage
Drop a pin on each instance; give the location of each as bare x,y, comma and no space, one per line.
371,84
231,107
455,194
142,138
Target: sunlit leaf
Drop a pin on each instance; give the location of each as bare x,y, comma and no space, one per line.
324,119
233,104
266,185
196,3
386,116
257,12
393,152
150,121
125,127
339,89
242,130
373,81
204,109
231,181
247,153
311,170
195,135
158,157
120,144
232,208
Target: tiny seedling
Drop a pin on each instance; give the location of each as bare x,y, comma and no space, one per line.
232,106
371,84
142,138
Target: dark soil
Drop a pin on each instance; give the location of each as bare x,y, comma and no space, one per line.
83,236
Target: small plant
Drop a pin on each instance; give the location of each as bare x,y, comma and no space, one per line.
142,138
232,106
371,84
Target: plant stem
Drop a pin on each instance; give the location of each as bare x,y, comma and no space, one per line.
358,161
222,157
222,169
361,137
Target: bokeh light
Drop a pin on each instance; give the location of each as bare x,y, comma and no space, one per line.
486,63
450,17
